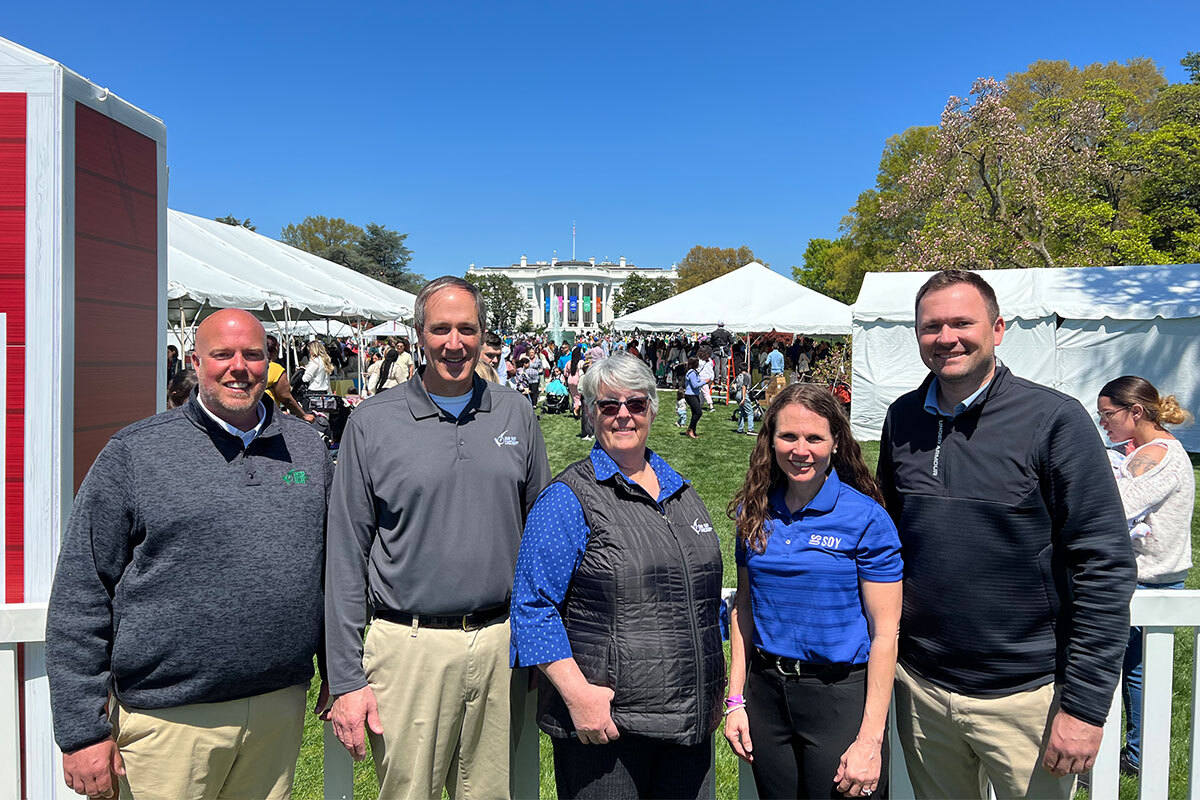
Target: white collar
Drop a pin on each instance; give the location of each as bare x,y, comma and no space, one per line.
246,436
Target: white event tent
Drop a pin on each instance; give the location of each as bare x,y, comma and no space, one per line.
1073,329
214,265
751,298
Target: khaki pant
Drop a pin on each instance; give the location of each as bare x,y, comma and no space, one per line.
955,743
444,703
239,749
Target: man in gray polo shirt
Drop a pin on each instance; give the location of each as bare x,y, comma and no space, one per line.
433,484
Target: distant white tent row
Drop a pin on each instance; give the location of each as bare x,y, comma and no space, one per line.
752,298
1073,329
224,266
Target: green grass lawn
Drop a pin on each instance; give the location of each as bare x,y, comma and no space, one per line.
716,464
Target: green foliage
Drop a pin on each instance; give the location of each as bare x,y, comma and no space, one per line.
506,304
329,237
377,251
637,292
1058,166
702,264
1191,62
229,219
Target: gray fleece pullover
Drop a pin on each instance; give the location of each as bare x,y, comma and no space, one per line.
191,570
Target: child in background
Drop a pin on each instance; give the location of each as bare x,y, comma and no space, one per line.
681,409
745,410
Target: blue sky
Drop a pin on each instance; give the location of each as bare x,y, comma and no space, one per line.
483,129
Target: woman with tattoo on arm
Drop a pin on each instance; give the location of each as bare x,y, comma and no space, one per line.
1158,490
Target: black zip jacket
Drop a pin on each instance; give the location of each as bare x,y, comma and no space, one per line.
1017,565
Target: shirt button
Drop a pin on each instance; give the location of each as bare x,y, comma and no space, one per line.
461,443
787,541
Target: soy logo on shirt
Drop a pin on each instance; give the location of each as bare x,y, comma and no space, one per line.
701,527
504,440
817,540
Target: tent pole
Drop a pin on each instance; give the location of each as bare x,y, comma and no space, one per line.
191,334
274,321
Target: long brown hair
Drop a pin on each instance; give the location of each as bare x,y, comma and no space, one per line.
751,506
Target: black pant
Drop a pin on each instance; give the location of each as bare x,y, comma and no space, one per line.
585,423
800,728
632,767
693,402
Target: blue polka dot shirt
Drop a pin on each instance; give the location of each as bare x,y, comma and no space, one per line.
552,546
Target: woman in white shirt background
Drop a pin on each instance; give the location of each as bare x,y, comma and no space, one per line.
319,368
1158,490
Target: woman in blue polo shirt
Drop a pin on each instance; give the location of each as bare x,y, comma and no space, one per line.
817,612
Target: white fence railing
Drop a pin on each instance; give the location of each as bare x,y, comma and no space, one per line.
1158,612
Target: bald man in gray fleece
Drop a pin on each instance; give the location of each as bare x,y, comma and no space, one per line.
189,586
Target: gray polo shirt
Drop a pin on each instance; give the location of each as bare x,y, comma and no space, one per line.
426,511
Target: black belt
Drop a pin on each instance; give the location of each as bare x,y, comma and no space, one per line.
795,668
466,622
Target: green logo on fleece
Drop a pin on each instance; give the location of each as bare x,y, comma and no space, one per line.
295,476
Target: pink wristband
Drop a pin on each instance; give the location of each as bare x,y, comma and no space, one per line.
735,700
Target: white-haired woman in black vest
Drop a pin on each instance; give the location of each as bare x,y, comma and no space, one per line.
616,600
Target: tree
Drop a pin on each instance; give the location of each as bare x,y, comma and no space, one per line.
702,264
1191,62
385,257
506,304
999,192
637,292
1058,166
229,219
377,251
333,239
833,267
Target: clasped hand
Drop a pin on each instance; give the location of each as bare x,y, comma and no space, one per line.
591,713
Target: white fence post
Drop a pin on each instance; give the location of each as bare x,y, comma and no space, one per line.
1106,779
10,723
1159,654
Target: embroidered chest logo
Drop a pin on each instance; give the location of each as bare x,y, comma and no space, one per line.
701,527
816,540
504,440
295,476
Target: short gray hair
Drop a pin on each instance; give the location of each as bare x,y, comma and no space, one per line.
618,371
448,282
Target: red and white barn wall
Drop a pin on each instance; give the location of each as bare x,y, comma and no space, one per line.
83,249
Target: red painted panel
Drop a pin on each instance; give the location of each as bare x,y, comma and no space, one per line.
138,271
116,247
105,325
12,232
114,213
12,302
108,404
114,151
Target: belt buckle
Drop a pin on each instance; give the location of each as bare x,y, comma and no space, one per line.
794,673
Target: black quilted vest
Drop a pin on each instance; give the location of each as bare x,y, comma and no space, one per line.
642,611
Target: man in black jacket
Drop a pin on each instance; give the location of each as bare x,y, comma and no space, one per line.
1017,565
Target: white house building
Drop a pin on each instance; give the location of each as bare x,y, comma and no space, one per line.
580,291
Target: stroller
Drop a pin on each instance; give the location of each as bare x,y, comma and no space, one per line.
558,400
331,414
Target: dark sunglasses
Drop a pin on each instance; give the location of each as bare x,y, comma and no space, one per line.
636,406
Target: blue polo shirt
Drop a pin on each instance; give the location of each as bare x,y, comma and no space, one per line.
804,591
